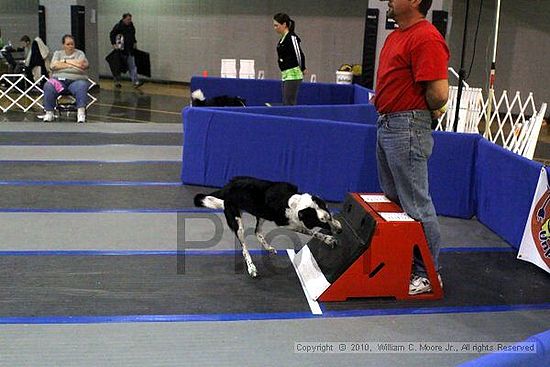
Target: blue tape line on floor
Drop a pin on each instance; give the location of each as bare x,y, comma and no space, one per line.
96,210
190,252
133,253
88,161
478,249
87,183
266,316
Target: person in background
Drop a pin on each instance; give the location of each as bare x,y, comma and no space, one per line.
7,51
292,61
35,58
68,72
123,38
412,89
37,54
25,42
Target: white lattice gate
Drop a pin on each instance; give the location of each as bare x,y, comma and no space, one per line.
514,125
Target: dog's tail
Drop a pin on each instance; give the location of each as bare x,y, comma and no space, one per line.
197,95
208,201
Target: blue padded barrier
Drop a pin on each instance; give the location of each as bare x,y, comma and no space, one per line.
327,158
359,113
361,95
505,185
325,94
501,359
257,92
452,174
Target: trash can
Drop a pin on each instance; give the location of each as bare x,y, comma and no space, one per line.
344,77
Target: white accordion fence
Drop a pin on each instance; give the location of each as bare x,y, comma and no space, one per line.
513,124
21,93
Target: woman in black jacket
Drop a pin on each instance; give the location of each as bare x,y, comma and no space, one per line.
292,61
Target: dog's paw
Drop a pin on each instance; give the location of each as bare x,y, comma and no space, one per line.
331,241
252,271
272,250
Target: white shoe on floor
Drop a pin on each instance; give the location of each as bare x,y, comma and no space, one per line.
419,285
48,117
81,117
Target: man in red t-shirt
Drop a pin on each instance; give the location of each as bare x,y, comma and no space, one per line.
412,89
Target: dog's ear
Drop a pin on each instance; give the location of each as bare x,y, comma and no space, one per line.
320,203
308,216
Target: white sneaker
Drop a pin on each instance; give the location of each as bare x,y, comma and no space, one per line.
81,117
48,117
419,285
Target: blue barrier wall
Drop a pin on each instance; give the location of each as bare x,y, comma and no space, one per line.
451,172
330,150
328,158
360,113
323,157
258,92
505,185
361,95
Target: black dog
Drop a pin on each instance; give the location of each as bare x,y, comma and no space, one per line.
278,202
199,100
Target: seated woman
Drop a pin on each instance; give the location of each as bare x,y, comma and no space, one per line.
68,72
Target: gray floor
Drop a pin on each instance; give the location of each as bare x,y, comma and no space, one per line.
257,343
59,192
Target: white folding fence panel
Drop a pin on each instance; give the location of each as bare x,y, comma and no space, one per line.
468,116
19,92
513,124
246,69
229,68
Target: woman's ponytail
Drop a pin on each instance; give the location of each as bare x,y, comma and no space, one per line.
291,25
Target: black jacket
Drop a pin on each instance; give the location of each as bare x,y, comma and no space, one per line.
129,33
290,53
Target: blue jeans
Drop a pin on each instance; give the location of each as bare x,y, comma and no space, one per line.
78,88
130,60
404,145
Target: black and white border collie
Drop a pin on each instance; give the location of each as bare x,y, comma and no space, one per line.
199,100
278,202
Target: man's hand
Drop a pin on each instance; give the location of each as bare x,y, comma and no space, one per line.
436,114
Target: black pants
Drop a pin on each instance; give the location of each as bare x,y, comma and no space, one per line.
290,92
10,60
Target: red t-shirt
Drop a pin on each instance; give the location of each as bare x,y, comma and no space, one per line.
409,56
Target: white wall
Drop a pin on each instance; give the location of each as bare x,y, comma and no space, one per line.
524,40
18,18
58,20
185,37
